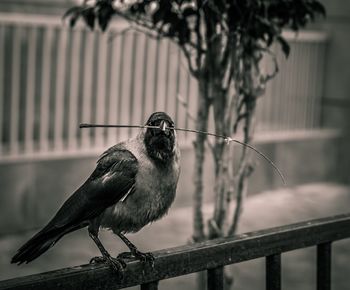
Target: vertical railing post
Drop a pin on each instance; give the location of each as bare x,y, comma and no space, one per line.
132,83
156,76
86,115
2,84
45,88
121,82
150,286
215,279
15,89
144,79
100,96
114,59
167,76
273,272
324,259
30,91
73,108
178,72
60,89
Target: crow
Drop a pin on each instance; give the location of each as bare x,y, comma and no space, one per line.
134,183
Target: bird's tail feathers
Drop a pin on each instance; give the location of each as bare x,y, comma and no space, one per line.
36,246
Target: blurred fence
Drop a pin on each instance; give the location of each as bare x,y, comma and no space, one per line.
52,78
293,99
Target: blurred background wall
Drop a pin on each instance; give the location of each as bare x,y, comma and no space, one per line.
52,78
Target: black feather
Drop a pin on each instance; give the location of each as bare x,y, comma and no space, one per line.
113,177
37,245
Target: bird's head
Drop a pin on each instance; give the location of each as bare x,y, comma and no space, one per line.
160,142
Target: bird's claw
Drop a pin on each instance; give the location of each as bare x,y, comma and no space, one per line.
97,260
117,264
146,258
143,257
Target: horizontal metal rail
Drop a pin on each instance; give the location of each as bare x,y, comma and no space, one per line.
210,255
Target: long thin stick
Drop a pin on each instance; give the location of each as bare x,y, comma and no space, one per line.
226,138
83,125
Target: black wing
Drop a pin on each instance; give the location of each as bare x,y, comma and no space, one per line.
113,177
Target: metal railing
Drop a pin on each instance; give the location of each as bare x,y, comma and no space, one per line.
52,78
211,256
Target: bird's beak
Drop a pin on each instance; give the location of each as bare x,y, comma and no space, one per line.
163,126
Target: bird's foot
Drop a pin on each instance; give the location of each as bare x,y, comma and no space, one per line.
143,257
117,264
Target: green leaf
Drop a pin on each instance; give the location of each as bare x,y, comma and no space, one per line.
89,17
318,8
162,13
72,11
189,12
284,45
183,32
138,8
73,14
104,14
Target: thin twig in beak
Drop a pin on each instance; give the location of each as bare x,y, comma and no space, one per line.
164,126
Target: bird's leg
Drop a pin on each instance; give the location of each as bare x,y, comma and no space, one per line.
134,252
117,264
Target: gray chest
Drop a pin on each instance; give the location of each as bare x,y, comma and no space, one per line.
152,195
